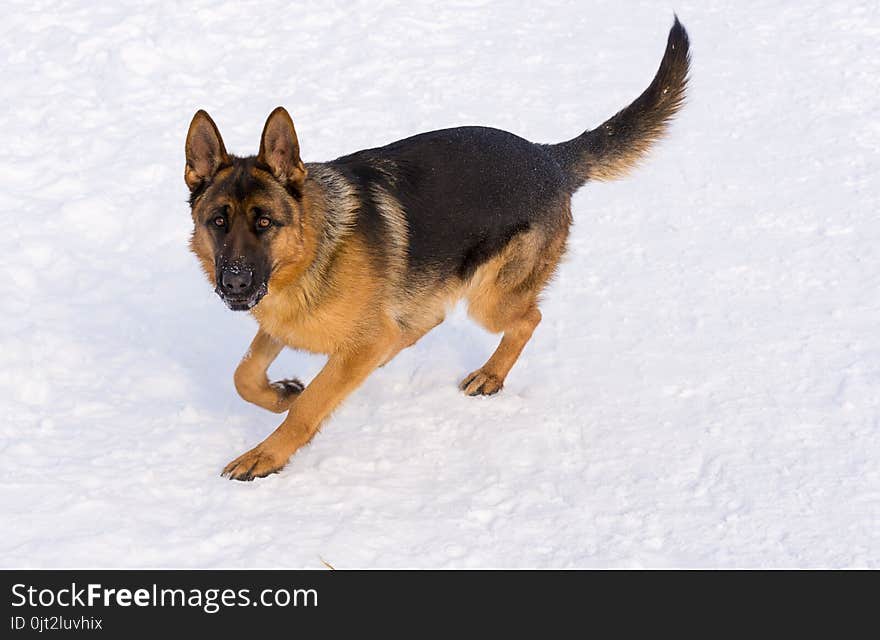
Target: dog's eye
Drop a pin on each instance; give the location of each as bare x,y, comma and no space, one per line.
220,221
263,222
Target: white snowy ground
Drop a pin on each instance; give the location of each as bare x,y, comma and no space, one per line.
704,389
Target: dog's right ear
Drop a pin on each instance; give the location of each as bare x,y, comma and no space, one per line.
205,152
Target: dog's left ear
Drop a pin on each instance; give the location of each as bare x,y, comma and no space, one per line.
279,149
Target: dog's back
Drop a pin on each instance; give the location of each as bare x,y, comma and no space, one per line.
465,192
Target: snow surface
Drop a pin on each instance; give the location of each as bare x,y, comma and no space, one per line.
704,389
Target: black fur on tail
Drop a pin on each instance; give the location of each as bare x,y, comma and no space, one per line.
616,146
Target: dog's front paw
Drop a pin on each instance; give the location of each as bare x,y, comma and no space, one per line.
285,392
259,462
481,383
288,388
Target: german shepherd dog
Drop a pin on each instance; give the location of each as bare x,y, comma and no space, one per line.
360,257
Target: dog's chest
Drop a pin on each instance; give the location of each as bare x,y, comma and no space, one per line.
321,330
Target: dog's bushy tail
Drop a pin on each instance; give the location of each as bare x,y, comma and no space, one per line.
611,150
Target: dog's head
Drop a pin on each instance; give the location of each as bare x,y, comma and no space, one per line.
247,212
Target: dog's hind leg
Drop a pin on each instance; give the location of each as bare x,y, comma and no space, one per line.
253,384
503,297
489,378
501,300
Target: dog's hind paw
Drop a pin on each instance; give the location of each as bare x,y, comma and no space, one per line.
481,383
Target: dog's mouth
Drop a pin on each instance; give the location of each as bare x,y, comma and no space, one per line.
243,302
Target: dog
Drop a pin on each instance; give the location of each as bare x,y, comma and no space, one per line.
360,257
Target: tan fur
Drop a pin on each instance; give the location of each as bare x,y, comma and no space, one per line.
395,218
349,309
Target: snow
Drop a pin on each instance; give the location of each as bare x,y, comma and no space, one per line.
704,389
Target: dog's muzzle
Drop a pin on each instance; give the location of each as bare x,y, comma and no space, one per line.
239,287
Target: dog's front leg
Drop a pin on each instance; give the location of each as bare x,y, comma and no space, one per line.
253,384
342,374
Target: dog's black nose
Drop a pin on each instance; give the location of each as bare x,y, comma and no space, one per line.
236,280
